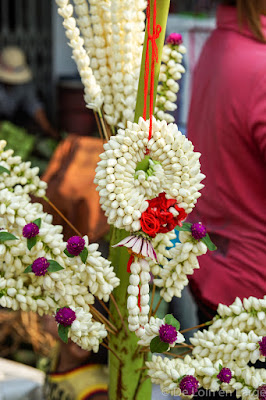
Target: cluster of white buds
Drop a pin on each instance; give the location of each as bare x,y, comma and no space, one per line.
108,42
138,299
247,382
127,41
172,276
246,315
170,72
167,373
221,356
85,332
93,93
19,176
227,345
124,193
83,20
161,244
37,271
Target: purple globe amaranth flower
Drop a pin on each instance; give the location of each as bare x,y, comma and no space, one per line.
198,231
225,375
167,333
65,316
75,245
30,230
262,392
189,385
175,39
262,344
40,266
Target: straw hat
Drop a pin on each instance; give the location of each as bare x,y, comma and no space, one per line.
13,66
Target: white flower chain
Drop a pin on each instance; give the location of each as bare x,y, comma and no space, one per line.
179,261
93,93
138,289
170,71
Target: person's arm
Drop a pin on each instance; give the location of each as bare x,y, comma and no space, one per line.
34,107
42,120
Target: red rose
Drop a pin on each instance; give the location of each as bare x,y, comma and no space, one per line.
149,223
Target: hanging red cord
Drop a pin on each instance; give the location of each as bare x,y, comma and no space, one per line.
156,30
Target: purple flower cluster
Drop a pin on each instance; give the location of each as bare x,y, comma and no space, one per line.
175,39
75,245
189,385
262,345
168,333
198,231
262,392
40,266
30,230
65,316
225,375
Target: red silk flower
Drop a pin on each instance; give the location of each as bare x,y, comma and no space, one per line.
158,217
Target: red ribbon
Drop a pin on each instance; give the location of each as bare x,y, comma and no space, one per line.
130,261
156,30
139,300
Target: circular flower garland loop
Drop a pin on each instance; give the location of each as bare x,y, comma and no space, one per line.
174,169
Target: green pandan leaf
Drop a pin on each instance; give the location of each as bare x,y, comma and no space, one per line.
31,242
63,332
38,222
186,227
68,254
84,255
157,346
3,169
28,269
7,236
207,240
170,320
54,266
220,367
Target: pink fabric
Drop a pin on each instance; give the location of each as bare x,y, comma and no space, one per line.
227,124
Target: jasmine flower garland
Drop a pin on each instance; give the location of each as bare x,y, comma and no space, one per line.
170,72
124,193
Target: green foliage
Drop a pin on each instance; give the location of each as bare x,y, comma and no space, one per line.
84,255
17,139
28,269
54,266
4,236
157,346
207,240
3,169
63,332
31,242
37,222
170,320
186,227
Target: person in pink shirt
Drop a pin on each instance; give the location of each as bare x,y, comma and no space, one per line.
227,125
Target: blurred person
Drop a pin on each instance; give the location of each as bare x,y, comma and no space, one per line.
18,100
227,125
